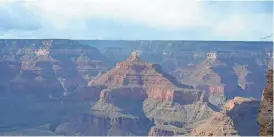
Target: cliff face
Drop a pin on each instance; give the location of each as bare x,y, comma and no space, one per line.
233,103
154,95
133,98
108,119
204,77
51,65
237,118
265,118
225,77
237,70
172,55
89,125
183,113
244,114
149,80
218,125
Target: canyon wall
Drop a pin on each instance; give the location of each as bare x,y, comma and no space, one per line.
54,66
63,87
265,118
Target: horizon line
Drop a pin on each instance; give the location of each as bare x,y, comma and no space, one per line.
133,40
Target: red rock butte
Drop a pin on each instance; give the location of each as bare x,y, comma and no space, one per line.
134,78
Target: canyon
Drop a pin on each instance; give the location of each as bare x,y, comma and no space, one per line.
156,88
56,65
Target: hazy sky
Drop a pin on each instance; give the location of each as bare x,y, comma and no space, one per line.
136,19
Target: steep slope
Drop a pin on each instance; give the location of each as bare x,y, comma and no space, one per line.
265,118
225,77
153,93
55,65
237,118
149,78
218,125
244,115
36,74
137,99
204,77
245,64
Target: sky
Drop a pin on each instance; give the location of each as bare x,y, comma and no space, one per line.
137,19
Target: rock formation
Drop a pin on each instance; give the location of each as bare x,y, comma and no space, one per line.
204,77
237,118
225,77
62,87
244,115
265,117
218,125
135,78
231,104
54,66
153,93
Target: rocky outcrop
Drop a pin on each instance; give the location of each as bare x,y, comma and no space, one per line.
133,71
244,114
218,125
225,78
115,118
265,117
55,66
237,118
167,111
148,79
110,95
153,94
91,125
205,78
231,104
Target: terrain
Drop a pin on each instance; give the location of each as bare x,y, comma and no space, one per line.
227,68
56,65
265,118
157,88
152,98
237,118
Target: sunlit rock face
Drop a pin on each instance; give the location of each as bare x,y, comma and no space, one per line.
265,118
154,96
238,117
135,78
222,69
218,125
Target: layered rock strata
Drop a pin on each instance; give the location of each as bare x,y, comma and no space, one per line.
154,94
137,79
50,65
237,118
265,117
